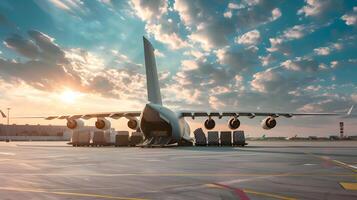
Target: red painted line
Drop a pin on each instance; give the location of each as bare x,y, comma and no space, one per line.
238,192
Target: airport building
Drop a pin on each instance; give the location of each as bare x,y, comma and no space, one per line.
37,132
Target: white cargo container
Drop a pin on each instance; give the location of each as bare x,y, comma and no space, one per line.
101,138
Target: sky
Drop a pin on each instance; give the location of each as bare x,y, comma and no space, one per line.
76,56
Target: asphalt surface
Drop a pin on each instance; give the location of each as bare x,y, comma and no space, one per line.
262,170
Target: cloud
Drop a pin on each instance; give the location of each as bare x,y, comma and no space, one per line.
249,38
319,8
22,46
158,24
169,37
74,7
213,35
267,81
159,53
240,60
351,17
149,10
211,29
291,33
324,51
301,64
267,60
50,68
334,64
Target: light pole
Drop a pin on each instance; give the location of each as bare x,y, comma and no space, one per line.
8,125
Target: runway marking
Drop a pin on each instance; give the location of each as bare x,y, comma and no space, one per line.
67,193
238,192
349,186
351,167
268,195
336,162
242,193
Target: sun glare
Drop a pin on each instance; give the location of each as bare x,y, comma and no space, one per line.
69,96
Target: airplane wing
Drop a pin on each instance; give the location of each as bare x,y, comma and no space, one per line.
194,114
114,115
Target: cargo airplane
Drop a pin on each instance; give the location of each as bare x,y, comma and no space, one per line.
160,125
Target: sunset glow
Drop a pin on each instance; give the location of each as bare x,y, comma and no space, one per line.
69,96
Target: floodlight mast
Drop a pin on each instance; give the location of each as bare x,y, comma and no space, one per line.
8,125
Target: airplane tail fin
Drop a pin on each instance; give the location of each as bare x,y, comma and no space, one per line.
152,80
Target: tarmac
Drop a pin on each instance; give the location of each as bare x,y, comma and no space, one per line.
262,170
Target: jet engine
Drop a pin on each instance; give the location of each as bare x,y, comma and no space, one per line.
102,124
233,123
75,123
210,124
268,123
133,124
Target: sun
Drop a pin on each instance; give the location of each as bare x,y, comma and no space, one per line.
69,96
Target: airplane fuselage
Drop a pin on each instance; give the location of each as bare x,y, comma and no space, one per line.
160,125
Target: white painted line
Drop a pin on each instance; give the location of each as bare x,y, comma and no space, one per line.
309,164
342,163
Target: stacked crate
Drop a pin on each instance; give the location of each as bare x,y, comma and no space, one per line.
239,138
136,138
81,138
213,138
101,138
226,138
122,139
200,137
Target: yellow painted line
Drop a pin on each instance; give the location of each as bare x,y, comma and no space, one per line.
349,186
67,193
248,191
214,186
265,194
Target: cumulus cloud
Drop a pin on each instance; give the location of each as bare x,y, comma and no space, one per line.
351,17
266,60
267,81
158,24
249,38
51,68
238,60
22,46
291,33
324,51
319,8
211,29
149,10
301,64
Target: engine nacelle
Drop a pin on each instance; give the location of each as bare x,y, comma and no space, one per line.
102,124
75,123
233,123
133,124
268,123
210,124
